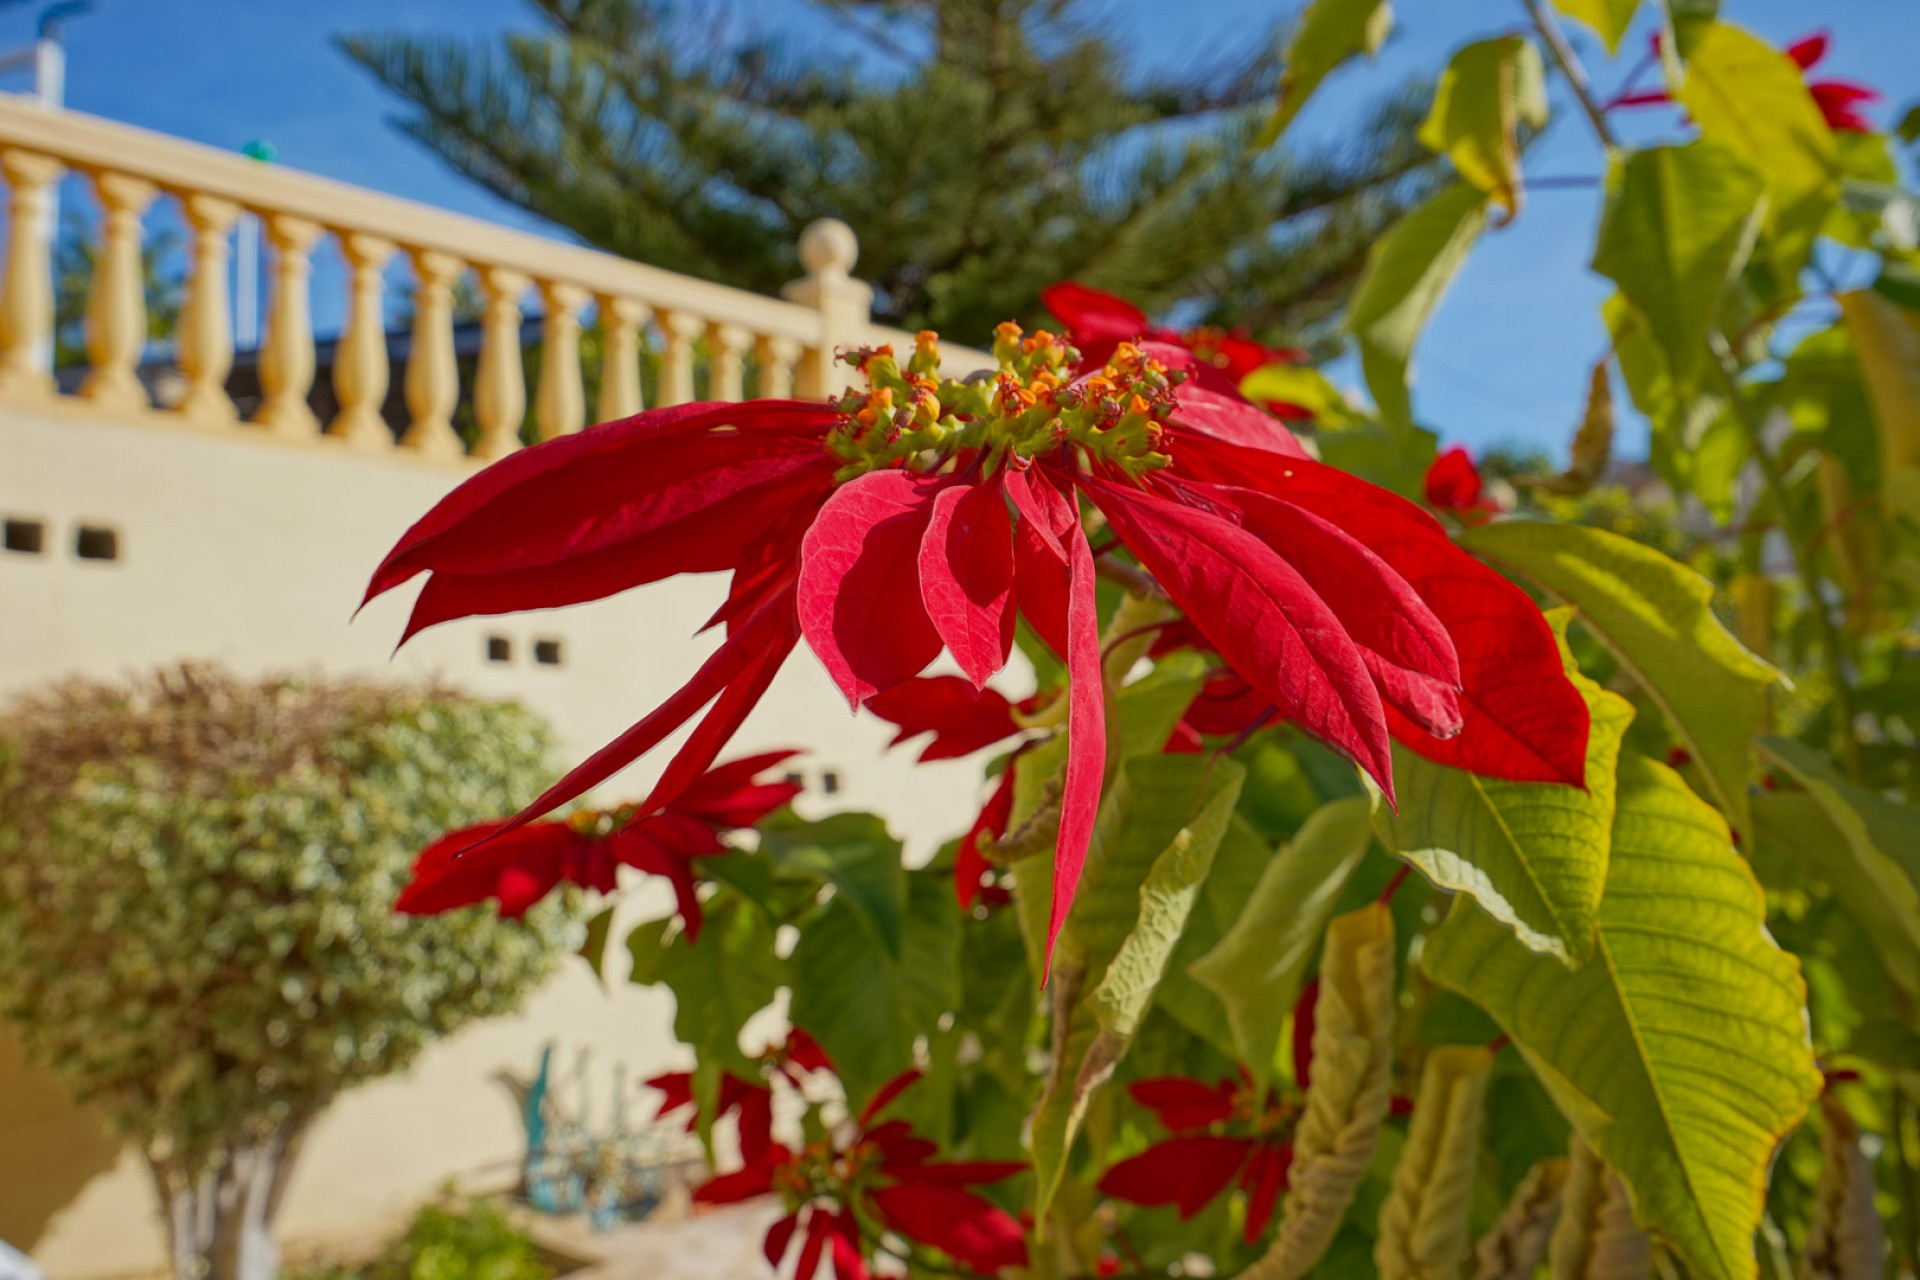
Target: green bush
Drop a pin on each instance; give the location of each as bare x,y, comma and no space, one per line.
471,1241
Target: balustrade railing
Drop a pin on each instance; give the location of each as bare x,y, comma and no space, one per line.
687,330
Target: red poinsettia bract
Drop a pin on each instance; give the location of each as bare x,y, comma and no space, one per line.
924,514
518,865
883,1174
1098,322
1839,100
750,1102
1453,484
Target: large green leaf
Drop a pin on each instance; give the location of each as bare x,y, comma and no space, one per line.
1749,97
866,1007
1681,418
1407,273
1609,19
855,854
1863,845
1238,864
1257,968
1679,1050
1533,855
1489,89
719,982
1887,337
1678,223
1162,811
1329,33
1655,615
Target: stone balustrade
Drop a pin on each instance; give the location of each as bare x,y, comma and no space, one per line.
742,344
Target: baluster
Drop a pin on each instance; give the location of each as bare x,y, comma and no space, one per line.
117,296
286,357
676,362
500,383
433,375
559,404
360,357
205,340
620,321
727,375
777,359
26,307
828,250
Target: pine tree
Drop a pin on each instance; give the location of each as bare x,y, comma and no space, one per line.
980,149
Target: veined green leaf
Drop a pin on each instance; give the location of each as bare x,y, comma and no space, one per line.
1679,1050
1424,1229
1172,807
1533,855
1863,845
1678,224
1407,273
1683,24
1258,966
1750,98
1682,418
1886,337
1655,616
855,854
1489,89
1329,33
593,947
1608,19
1238,865
866,1007
718,983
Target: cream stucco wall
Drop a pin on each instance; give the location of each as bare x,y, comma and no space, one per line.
253,551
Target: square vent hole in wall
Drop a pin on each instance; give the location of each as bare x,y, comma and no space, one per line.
96,542
549,653
23,537
499,649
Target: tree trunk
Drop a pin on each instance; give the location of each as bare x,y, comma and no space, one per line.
220,1217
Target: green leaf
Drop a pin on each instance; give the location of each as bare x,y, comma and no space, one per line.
593,947
1655,616
1407,273
1681,417
1167,811
866,1007
1239,862
1608,19
1258,966
1863,845
1886,336
855,854
1683,24
1678,223
1908,129
719,982
1303,385
1680,1049
1329,33
1489,89
1750,98
1533,855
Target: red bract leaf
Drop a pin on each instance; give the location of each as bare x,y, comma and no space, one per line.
1262,616
1303,1014
1086,733
956,1172
1231,420
961,719
847,1262
1226,707
819,1229
723,719
519,887
1265,1178
859,597
970,866
779,1237
452,873
1185,1172
1453,481
960,1224
743,1184
756,1126
1808,51
1406,648
728,795
885,1094
804,1052
1183,1104
1092,313
966,576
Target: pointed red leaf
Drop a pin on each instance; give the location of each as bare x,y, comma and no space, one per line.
743,1184
819,1231
1186,1172
1093,313
1265,1178
1808,51
710,737
961,718
1303,1015
518,868
847,1262
1263,618
960,1224
779,1237
885,1094
1183,1104
1229,419
859,598
966,576
1086,733
957,1172
729,796
756,1125
971,867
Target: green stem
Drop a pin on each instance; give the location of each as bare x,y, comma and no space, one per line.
1831,645
1569,64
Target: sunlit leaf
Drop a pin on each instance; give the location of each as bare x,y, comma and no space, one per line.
1424,1223
1749,97
1305,386
1886,336
1679,1050
1407,273
1238,865
1533,855
718,983
1488,91
1258,966
1678,223
1329,33
1683,23
1656,617
1608,19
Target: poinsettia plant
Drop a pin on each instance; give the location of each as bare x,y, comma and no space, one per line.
1381,866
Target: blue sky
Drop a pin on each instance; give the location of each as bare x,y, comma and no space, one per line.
1504,359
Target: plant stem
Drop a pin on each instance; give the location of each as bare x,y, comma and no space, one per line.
1569,64
1831,645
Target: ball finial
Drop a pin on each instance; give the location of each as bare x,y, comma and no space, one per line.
828,248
